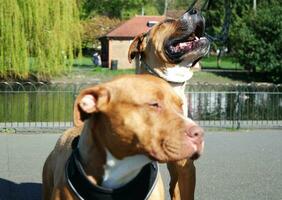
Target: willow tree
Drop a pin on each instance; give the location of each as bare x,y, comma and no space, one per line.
13,45
38,37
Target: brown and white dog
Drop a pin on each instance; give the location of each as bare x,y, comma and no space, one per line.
125,126
171,50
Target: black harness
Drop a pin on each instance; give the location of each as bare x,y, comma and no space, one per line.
140,188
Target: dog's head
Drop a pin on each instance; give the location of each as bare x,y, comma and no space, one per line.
139,114
173,42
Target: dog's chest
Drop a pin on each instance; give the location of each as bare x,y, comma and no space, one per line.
119,172
180,91
139,188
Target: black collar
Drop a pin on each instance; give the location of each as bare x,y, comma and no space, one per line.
150,69
140,188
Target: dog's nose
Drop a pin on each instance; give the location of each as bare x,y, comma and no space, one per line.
193,11
195,132
194,20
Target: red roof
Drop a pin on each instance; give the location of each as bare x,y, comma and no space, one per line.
134,26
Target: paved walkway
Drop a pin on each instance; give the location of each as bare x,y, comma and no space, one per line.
245,165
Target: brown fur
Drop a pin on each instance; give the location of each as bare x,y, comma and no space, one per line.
149,49
134,114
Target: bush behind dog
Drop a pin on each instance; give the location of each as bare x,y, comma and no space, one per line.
258,42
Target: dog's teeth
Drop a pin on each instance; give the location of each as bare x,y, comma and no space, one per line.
181,45
196,38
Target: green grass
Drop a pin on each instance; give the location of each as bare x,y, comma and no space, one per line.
226,62
106,73
83,62
202,77
86,64
84,71
211,78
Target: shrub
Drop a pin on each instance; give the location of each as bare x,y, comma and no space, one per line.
96,27
257,42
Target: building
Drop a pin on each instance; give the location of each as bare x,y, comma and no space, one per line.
116,43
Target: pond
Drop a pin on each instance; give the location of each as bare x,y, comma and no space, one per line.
54,103
253,105
36,102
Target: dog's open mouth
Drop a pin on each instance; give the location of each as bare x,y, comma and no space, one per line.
177,49
185,46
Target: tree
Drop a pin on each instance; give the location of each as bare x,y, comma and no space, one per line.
122,9
260,36
38,37
13,45
96,27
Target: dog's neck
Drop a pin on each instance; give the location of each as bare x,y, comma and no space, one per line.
101,166
179,88
177,74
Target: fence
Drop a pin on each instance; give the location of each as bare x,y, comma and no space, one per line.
40,105
236,106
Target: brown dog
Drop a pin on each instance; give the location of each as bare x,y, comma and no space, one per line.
171,50
125,126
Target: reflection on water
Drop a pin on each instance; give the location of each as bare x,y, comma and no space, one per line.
235,105
40,106
252,102
55,103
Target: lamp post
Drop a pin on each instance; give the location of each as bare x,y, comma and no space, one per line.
165,7
255,5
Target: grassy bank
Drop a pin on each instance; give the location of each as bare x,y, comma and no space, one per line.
85,71
225,62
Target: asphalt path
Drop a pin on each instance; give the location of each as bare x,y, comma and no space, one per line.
244,165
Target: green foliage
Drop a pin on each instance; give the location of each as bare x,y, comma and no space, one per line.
95,27
180,4
38,37
122,9
13,45
125,9
214,17
150,9
258,41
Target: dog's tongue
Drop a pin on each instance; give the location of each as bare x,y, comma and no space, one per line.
185,46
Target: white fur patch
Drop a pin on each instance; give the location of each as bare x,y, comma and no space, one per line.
120,172
177,74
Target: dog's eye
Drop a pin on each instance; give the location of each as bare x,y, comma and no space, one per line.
154,105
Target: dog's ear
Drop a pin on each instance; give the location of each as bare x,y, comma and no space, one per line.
136,47
89,101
